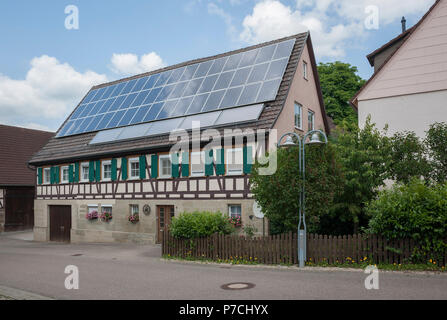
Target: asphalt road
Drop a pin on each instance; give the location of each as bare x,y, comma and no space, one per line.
124,271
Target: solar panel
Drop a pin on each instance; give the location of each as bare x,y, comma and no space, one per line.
204,120
239,79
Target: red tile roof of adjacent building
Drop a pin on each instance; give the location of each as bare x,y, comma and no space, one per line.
17,146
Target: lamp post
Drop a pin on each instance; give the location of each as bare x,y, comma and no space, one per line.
314,140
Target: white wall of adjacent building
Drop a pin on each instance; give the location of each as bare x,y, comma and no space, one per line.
415,112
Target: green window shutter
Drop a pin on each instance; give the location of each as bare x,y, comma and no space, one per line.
175,165
39,175
142,167
98,170
70,173
91,171
76,172
114,170
209,163
220,165
248,159
185,164
154,166
56,175
124,168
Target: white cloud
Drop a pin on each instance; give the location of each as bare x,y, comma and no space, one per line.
48,93
272,19
213,9
334,24
129,63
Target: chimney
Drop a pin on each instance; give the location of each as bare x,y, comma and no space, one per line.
404,24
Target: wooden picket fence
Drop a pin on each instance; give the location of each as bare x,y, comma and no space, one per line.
282,249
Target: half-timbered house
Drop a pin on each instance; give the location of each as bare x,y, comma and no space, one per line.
114,154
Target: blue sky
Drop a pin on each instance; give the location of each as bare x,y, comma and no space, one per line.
46,69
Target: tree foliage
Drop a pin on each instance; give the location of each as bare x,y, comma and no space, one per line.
408,157
364,156
278,194
339,83
436,142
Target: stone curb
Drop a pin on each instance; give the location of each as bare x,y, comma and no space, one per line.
294,268
16,294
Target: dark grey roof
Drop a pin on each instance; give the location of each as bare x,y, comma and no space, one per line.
77,147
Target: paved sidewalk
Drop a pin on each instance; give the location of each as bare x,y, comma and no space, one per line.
26,235
7,293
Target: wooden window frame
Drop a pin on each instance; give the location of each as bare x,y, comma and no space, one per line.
48,169
305,69
300,106
81,173
129,164
310,112
63,181
202,155
227,169
105,163
133,205
234,205
160,167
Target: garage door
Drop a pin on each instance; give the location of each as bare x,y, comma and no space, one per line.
60,223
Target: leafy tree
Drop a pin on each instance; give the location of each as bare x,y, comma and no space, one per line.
278,194
414,210
408,157
364,156
339,83
436,142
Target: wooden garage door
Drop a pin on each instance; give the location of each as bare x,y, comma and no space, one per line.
60,223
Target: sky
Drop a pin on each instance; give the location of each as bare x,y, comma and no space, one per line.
49,59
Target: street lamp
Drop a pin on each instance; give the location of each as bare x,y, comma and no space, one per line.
301,143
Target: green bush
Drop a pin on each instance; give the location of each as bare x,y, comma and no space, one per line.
415,211
200,224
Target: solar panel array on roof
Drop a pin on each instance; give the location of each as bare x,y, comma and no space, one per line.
240,79
204,120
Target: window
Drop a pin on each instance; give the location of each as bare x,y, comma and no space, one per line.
134,168
198,164
311,120
92,208
134,209
298,116
84,172
65,174
165,166
305,70
46,175
106,209
107,170
235,211
234,161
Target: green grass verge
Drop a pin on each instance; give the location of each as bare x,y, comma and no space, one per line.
348,263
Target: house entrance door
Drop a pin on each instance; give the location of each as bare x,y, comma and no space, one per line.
60,223
164,217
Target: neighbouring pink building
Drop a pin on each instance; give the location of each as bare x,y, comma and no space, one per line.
408,90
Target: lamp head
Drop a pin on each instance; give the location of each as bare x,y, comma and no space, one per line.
315,139
289,142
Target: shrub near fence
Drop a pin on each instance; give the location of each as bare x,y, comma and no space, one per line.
282,249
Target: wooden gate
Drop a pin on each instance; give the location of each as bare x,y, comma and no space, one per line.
19,208
60,223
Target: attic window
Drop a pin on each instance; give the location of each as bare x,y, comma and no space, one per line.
305,70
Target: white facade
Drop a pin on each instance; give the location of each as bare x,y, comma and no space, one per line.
415,112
